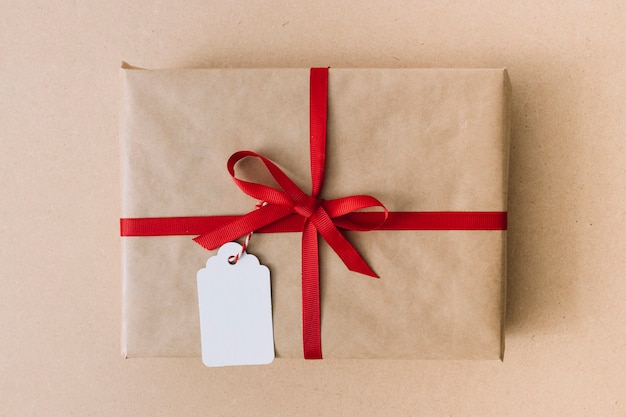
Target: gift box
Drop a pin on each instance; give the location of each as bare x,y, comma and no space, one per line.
429,144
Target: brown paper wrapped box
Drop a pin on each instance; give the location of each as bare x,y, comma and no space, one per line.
416,139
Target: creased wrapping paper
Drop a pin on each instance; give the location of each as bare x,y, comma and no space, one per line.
416,139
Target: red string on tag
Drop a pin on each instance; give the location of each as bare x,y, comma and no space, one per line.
234,258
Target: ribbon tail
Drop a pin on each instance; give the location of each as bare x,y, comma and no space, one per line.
311,320
242,225
348,254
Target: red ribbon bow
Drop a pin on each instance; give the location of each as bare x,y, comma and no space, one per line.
321,216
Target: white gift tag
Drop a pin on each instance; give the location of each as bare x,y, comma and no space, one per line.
235,310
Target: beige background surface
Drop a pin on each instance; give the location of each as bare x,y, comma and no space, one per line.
59,249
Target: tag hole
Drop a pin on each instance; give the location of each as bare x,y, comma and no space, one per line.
232,260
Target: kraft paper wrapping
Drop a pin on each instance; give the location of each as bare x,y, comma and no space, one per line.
416,139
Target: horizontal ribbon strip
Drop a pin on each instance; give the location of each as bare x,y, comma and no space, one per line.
417,220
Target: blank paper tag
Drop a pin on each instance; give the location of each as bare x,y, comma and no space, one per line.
235,310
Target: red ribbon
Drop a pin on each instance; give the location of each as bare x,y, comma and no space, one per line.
396,220
320,216
289,209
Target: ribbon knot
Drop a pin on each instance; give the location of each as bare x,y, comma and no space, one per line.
308,206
